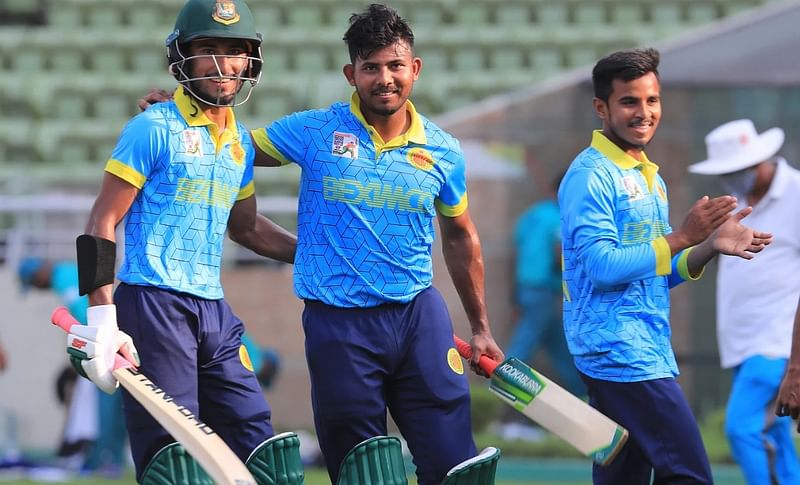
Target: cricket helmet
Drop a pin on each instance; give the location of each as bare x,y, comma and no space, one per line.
213,19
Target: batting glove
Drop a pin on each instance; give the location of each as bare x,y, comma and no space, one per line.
93,347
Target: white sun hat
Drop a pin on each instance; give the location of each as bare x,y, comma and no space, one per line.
735,146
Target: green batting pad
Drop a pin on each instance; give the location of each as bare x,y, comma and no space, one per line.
173,465
479,470
376,461
277,461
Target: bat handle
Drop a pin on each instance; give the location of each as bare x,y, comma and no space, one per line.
487,364
62,318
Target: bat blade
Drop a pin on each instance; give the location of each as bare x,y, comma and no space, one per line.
552,407
202,442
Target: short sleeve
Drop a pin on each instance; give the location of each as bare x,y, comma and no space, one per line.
283,138
140,146
452,198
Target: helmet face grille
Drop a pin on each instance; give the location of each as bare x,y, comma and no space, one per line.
180,67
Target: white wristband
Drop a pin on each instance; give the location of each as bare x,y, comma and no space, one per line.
101,315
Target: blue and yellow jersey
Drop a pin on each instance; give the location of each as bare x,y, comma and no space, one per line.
366,207
189,176
617,265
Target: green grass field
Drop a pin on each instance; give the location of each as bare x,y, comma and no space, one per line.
313,477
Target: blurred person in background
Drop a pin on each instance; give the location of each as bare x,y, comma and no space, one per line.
265,361
3,358
94,436
537,303
756,299
788,402
537,290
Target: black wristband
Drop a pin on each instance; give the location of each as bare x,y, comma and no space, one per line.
96,257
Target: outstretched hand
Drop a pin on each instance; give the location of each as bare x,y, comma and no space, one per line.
153,97
735,239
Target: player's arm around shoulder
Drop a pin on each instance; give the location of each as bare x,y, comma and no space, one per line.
461,247
259,234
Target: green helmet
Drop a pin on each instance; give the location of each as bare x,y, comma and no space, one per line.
215,18
204,19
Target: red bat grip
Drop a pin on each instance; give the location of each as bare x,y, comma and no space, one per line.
62,318
465,349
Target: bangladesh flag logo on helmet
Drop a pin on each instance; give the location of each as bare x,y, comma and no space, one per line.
225,13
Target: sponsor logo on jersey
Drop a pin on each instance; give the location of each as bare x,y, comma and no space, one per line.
225,13
377,195
192,143
642,231
420,158
245,358
632,187
344,145
206,192
454,361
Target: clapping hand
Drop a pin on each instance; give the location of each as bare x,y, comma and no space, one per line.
735,239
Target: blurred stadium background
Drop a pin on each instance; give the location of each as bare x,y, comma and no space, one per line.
510,78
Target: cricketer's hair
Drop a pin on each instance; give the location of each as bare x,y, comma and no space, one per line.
374,28
625,65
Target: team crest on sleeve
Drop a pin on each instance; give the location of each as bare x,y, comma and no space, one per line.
237,152
632,187
454,361
345,145
192,143
225,13
420,158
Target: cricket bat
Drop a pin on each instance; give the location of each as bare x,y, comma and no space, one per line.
198,438
552,407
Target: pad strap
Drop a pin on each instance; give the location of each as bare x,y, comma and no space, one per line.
96,257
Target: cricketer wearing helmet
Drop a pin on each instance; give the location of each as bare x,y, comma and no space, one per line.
180,175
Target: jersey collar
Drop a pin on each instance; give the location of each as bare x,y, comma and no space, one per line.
621,159
415,133
191,111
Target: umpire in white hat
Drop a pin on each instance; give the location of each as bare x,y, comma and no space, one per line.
756,299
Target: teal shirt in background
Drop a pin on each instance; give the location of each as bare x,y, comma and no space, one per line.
64,281
254,351
537,231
